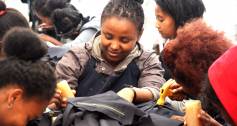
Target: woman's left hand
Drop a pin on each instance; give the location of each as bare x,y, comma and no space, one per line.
207,120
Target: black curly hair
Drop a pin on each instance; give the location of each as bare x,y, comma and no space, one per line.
190,54
22,65
24,44
67,20
36,79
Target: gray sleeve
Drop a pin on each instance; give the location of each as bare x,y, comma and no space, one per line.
83,37
151,76
178,105
151,72
70,67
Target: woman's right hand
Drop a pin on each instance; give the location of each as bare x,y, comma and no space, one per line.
58,101
50,39
177,92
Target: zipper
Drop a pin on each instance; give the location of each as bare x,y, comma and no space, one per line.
101,106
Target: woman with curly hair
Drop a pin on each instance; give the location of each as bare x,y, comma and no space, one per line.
191,53
172,14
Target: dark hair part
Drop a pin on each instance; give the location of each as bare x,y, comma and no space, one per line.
211,104
11,18
24,44
182,10
190,54
36,79
130,9
46,7
67,19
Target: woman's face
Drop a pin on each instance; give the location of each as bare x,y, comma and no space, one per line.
165,24
118,38
16,110
45,22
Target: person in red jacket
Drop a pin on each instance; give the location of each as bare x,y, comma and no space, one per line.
220,88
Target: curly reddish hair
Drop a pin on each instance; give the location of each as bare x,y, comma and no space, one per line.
194,49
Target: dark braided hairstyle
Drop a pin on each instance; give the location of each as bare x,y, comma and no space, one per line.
130,9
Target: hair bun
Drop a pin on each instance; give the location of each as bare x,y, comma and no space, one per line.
23,44
2,5
139,1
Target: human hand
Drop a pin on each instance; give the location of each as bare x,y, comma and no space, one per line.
127,94
45,26
177,92
176,117
50,39
205,120
58,101
55,101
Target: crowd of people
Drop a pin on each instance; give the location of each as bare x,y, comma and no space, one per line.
101,53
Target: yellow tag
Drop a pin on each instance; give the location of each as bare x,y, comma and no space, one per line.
164,91
65,89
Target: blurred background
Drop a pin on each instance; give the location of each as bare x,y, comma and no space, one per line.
220,14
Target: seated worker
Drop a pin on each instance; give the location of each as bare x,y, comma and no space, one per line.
43,10
114,59
67,22
26,83
189,56
70,24
219,89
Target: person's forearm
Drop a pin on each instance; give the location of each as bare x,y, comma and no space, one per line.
50,39
142,95
133,94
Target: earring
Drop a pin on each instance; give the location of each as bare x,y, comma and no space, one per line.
10,105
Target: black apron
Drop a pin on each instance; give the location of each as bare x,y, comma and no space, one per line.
92,82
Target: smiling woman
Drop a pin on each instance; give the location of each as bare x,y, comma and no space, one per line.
116,41
113,59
